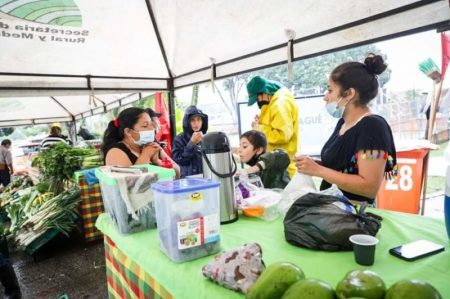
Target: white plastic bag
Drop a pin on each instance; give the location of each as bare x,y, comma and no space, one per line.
299,185
263,204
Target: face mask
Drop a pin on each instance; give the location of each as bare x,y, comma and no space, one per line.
145,137
260,104
253,160
334,110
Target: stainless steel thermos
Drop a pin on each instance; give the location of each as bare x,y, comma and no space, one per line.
219,165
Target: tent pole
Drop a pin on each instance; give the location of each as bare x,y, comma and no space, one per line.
172,109
75,130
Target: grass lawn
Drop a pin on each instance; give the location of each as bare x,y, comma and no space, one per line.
440,151
436,183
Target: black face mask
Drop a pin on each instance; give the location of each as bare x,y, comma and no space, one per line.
253,160
260,104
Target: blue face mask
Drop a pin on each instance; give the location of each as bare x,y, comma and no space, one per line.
145,137
334,110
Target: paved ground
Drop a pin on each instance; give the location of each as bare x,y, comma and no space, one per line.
64,267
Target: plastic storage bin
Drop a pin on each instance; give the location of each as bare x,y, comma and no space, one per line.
127,197
188,217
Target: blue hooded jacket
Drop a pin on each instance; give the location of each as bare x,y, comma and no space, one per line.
185,153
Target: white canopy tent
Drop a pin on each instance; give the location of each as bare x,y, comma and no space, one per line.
42,110
62,47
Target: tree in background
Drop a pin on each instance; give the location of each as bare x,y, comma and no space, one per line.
313,72
309,74
6,131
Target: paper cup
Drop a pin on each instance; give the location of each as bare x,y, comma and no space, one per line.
364,249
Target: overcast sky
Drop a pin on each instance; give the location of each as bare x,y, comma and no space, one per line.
405,54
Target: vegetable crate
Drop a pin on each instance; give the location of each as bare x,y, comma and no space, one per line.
90,207
41,241
127,197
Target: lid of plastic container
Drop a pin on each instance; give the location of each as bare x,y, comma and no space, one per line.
184,185
104,176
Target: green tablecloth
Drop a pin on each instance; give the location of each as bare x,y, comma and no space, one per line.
186,281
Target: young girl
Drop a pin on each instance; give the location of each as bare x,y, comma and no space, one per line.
271,166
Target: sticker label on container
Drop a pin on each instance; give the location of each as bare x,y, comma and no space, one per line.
198,231
196,196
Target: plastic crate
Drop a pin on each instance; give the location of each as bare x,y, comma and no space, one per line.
188,215
131,217
41,241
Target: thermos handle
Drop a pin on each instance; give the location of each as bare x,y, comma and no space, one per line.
220,175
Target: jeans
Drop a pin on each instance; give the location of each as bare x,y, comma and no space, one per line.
5,177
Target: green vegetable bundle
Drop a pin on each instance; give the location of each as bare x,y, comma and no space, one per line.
57,212
58,164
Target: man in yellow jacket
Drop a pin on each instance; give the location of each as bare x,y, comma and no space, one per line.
278,119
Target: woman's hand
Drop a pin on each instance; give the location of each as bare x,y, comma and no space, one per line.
307,165
151,150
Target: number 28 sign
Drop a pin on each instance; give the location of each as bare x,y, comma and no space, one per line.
404,181
403,192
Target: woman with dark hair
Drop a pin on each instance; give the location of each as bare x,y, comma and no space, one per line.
361,149
130,140
270,166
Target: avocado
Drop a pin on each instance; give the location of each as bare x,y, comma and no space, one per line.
412,289
275,280
309,288
361,283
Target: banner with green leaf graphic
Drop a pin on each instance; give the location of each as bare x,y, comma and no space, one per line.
78,37
61,13
52,12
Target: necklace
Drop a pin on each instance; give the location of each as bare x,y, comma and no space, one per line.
345,127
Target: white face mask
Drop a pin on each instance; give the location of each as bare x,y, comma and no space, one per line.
145,137
334,110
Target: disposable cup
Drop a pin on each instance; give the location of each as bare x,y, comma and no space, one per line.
364,249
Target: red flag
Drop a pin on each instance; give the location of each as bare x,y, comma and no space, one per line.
164,132
445,42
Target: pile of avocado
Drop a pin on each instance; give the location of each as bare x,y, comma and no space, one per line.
287,281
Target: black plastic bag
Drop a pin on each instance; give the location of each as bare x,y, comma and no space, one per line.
326,222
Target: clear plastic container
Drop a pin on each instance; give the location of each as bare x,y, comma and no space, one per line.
447,190
127,196
188,217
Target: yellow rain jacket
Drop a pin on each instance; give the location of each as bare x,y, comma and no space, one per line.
279,122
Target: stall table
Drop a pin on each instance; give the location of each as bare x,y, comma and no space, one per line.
137,268
91,206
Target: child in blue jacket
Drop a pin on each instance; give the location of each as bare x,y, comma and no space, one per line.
186,150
